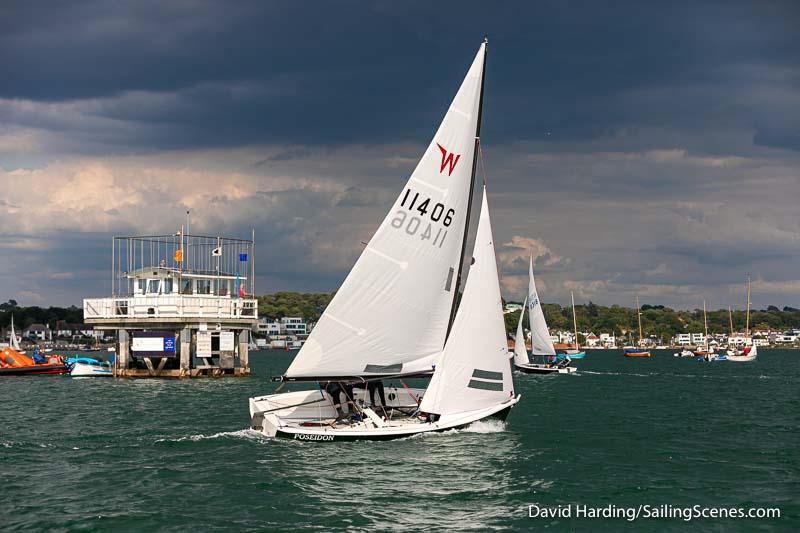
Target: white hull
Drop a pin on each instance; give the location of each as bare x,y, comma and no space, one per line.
744,358
288,422
534,368
80,370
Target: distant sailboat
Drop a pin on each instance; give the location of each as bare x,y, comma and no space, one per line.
541,344
575,353
707,353
640,351
750,350
395,314
13,341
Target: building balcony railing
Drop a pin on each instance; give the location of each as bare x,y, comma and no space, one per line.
169,306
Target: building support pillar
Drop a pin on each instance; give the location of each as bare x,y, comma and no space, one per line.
186,351
244,346
123,350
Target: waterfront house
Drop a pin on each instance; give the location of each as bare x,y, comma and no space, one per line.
39,332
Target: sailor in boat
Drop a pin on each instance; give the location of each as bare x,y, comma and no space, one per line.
335,390
372,388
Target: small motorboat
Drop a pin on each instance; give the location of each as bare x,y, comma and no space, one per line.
13,363
89,367
684,353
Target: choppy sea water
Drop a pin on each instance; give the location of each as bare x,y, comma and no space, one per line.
146,455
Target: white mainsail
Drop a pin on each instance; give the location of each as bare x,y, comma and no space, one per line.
13,340
520,351
541,344
474,371
391,314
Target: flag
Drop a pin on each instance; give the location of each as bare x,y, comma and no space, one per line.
242,257
216,252
178,256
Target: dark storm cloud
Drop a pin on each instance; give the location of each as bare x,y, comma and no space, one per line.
217,74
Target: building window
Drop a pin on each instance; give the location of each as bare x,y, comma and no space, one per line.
152,287
203,286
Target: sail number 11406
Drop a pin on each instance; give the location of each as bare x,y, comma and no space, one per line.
417,225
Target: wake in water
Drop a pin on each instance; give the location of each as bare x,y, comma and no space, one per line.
481,426
247,434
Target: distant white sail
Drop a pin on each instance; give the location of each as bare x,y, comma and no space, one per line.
520,351
474,371
391,314
13,340
541,344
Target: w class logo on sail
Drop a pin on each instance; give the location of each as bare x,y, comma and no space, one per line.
449,160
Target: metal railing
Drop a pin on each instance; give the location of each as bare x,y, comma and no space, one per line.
169,306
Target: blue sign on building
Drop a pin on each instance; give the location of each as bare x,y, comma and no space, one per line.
169,344
242,257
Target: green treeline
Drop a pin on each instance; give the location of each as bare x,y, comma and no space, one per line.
25,316
308,305
659,321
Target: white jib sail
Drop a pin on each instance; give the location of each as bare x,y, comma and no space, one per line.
474,371
541,344
520,351
391,314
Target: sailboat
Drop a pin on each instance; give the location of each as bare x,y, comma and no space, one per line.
13,341
707,353
395,314
575,353
750,350
541,344
637,352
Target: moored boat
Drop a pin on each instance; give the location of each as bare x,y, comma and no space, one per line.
750,351
574,353
89,367
13,363
631,351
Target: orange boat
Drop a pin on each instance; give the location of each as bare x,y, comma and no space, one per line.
13,363
635,352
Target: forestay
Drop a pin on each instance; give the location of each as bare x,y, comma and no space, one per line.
541,344
520,351
391,314
474,371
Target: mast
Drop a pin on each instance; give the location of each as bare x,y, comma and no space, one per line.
471,190
639,317
574,320
730,318
747,320
705,324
